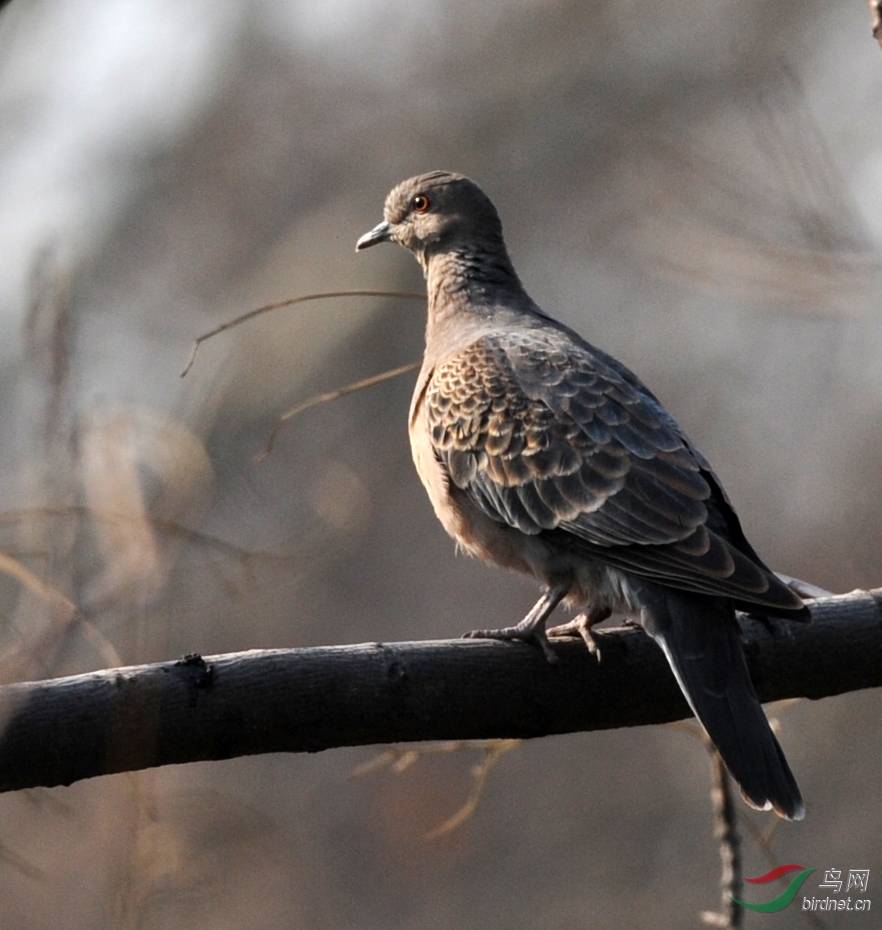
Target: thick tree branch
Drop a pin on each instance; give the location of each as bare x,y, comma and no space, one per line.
305,700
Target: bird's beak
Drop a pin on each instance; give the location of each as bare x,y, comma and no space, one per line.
380,233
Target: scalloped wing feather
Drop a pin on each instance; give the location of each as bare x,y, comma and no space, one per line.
550,436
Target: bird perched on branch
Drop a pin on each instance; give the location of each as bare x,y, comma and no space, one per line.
543,454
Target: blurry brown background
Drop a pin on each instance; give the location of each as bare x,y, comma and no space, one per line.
695,186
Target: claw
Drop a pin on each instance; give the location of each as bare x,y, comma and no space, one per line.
509,634
531,629
581,625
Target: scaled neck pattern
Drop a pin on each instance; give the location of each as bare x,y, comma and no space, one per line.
472,281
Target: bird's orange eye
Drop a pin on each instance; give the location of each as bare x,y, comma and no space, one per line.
421,203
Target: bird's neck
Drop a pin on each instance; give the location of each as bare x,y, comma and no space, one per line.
471,281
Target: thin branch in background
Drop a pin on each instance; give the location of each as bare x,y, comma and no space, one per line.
730,916
47,334
290,302
876,18
145,860
168,527
20,864
398,760
763,838
329,396
99,642
36,585
13,658
245,559
731,877
493,754
50,468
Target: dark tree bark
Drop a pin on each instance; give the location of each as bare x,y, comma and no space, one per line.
306,700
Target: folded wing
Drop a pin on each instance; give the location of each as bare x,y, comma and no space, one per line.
550,436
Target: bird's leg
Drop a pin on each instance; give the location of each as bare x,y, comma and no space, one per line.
582,625
532,628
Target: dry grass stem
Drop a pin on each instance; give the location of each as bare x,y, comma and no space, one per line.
329,396
398,760
290,302
36,585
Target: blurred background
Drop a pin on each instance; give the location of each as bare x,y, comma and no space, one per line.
696,187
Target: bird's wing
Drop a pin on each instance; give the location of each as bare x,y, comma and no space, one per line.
549,436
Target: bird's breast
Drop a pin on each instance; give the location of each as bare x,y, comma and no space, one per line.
591,582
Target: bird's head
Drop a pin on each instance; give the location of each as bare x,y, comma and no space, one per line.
436,213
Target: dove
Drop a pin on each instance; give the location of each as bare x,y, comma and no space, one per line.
543,454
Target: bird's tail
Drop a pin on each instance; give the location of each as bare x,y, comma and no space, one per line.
701,640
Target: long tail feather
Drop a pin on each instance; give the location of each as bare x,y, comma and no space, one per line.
701,640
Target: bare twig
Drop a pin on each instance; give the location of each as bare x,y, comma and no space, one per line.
730,914
50,462
166,527
494,751
290,302
36,585
398,760
763,839
19,863
329,396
